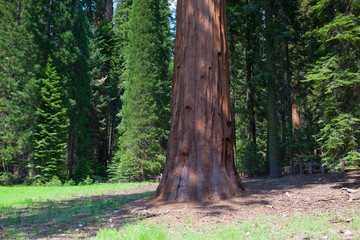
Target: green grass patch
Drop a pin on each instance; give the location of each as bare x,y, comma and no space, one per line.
307,226
32,212
18,196
140,231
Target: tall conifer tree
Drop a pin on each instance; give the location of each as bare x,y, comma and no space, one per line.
335,80
147,60
17,88
60,30
50,128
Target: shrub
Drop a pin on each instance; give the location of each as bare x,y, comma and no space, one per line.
55,181
7,179
125,167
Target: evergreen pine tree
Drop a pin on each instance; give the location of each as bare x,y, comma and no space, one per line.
17,89
105,97
335,78
80,135
60,30
245,55
140,129
50,128
121,28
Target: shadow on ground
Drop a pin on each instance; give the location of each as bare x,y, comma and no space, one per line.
297,181
80,217
84,216
267,196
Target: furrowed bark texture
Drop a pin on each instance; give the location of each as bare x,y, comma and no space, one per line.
200,162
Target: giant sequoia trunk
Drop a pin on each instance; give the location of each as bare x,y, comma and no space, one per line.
200,155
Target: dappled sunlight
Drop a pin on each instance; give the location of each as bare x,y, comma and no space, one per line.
71,217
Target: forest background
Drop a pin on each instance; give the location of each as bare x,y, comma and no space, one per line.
85,91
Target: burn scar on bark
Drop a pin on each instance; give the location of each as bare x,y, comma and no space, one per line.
188,110
185,144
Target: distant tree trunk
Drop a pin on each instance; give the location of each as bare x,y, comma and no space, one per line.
296,124
109,10
250,96
18,11
288,107
103,153
273,138
200,156
103,138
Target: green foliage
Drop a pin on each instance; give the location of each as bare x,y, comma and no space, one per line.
54,181
83,154
8,179
66,118
146,87
341,139
49,135
127,167
246,58
105,95
17,89
335,79
60,31
87,181
69,183
252,160
121,29
304,144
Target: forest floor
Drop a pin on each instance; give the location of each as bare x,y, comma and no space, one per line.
286,197
283,197
263,196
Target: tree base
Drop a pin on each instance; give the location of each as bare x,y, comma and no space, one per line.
202,187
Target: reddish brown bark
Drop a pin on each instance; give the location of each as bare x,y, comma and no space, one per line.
296,124
200,156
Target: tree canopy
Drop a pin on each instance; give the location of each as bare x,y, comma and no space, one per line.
85,89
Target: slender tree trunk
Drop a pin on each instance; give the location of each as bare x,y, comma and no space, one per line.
250,96
48,32
70,151
103,134
288,106
250,90
273,138
18,10
109,10
200,155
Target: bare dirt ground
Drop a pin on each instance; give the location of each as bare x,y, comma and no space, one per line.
264,196
282,197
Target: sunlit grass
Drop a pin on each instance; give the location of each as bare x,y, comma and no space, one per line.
298,226
50,210
16,196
